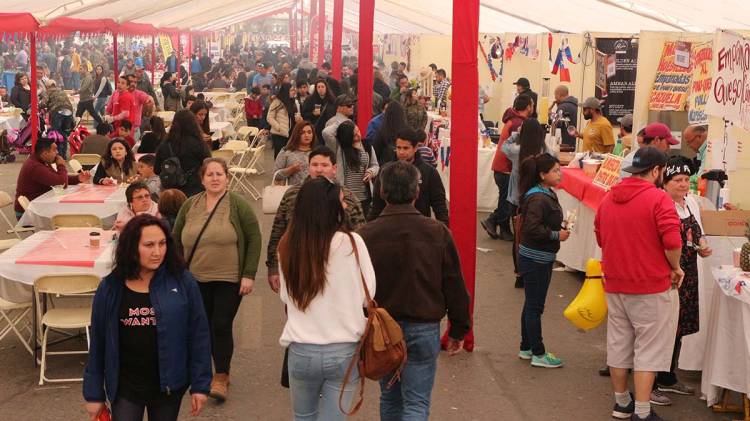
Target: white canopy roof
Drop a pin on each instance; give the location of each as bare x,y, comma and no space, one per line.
418,16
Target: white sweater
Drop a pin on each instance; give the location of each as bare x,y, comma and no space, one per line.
335,315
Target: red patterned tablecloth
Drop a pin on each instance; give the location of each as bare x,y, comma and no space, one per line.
66,247
580,186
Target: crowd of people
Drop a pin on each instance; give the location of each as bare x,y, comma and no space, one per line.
358,205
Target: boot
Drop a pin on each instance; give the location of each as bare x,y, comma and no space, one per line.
219,386
490,227
506,235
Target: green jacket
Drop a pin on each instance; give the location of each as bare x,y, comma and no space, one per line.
245,225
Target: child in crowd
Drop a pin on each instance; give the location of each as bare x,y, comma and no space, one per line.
124,131
170,202
265,96
147,175
254,108
424,150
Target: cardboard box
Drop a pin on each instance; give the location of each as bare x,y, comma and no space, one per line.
725,223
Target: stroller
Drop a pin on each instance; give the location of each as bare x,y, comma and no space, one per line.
6,149
19,140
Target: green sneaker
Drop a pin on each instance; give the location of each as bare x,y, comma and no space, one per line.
525,355
547,360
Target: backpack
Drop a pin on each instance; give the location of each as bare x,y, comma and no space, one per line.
172,175
381,350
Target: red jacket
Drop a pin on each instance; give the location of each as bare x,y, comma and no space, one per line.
635,223
253,108
512,122
37,177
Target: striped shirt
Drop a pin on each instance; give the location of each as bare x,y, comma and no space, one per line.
353,176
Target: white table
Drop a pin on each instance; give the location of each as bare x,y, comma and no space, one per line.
726,363
16,280
581,245
44,207
221,129
487,192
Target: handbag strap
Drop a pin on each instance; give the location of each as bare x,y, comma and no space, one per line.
203,229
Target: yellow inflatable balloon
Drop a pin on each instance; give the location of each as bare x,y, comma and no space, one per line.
589,309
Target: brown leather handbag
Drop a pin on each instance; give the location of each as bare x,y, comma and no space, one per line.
381,350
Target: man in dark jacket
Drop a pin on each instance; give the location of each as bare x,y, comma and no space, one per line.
523,87
567,107
415,261
431,193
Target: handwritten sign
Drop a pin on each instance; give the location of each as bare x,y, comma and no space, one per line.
672,82
609,173
701,85
730,94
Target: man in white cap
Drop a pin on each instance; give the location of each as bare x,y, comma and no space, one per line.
597,136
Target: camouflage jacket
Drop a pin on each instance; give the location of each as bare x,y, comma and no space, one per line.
354,219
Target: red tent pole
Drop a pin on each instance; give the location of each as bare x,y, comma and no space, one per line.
153,58
190,51
311,27
464,144
338,27
116,70
321,32
364,83
34,96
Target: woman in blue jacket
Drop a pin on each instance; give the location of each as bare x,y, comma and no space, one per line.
149,333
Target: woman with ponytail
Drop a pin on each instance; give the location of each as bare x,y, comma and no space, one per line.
540,234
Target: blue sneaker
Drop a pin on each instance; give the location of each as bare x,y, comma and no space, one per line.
624,412
525,355
547,360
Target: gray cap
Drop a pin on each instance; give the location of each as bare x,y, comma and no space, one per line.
626,120
592,102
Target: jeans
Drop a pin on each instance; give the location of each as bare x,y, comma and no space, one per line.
409,398
100,104
278,144
164,410
221,301
62,124
75,80
501,215
316,376
536,278
84,106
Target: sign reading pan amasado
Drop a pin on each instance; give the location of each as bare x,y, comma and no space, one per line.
619,94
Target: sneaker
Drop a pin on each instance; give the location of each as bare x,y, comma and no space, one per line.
651,417
547,360
624,412
678,388
525,355
660,399
490,228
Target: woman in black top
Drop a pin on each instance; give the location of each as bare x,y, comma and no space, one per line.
319,107
151,140
170,92
201,109
20,95
184,143
394,119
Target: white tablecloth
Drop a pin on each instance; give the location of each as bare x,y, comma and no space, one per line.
581,245
44,207
221,129
16,279
10,122
726,363
694,346
486,188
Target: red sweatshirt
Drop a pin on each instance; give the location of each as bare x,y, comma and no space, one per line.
635,223
37,177
512,122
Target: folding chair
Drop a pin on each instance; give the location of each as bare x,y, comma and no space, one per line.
15,315
241,175
238,121
63,318
7,201
75,165
75,220
220,98
239,148
225,154
86,159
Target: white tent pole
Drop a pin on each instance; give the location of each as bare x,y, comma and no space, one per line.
519,17
643,15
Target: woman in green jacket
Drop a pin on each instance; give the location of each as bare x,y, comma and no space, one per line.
220,239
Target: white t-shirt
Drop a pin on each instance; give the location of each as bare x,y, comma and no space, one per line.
335,315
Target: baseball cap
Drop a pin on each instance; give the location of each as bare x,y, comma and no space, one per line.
660,130
645,159
344,100
626,120
261,65
592,102
522,81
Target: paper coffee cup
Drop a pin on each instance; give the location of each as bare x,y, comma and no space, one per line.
736,257
95,239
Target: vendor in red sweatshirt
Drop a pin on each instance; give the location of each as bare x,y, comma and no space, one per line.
37,176
638,230
512,119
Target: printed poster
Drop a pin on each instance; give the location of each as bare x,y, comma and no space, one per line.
672,82
619,89
730,93
701,84
609,172
166,45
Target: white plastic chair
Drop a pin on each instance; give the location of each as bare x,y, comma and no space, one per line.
15,316
241,175
86,159
63,318
239,148
75,165
75,220
7,201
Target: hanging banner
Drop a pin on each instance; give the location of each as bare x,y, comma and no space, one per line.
730,94
617,59
701,84
166,45
672,81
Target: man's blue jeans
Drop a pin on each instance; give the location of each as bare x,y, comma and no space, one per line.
409,398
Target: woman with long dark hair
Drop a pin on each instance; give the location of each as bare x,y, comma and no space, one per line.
102,89
20,94
283,114
291,163
319,107
394,120
117,165
184,143
149,334
357,166
540,236
219,234
151,140
322,288
200,110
